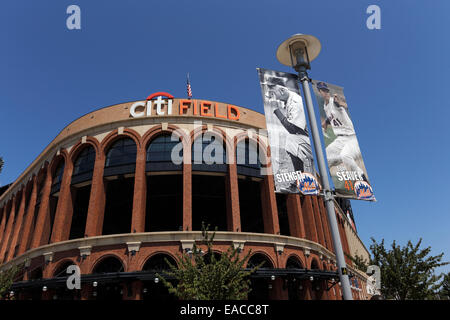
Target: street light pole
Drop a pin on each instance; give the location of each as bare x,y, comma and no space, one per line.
294,52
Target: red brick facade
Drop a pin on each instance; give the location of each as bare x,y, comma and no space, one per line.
26,235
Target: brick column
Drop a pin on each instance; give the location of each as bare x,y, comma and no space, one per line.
140,193
325,224
43,214
232,198
8,229
64,208
308,218
187,193
294,211
318,221
17,226
29,218
269,205
3,223
97,198
344,242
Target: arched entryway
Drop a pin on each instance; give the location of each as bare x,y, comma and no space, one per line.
109,289
260,285
156,290
295,283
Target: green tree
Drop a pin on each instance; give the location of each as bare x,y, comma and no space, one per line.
1,164
7,278
406,272
359,262
445,287
203,276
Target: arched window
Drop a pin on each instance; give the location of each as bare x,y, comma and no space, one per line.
81,190
258,258
158,291
209,153
247,158
158,262
207,257
61,271
84,165
259,285
120,160
314,265
159,154
57,175
249,186
108,291
108,265
54,197
121,157
293,263
294,284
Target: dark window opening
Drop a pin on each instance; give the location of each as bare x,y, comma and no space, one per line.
40,190
295,285
157,291
57,177
121,157
208,257
27,200
108,291
259,286
250,206
27,203
119,206
16,249
314,265
32,226
53,204
61,271
208,202
108,265
159,154
84,165
247,159
158,263
259,289
258,258
164,210
35,274
283,219
293,263
208,154
80,210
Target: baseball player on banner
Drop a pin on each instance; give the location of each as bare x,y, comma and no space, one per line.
344,156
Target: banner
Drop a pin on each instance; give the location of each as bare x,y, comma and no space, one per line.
344,156
291,152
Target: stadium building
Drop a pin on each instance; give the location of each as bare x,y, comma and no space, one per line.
106,195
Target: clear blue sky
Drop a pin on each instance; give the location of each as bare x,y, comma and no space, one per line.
395,80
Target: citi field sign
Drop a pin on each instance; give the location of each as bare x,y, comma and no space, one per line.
164,104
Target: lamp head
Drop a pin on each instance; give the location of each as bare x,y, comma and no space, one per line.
298,51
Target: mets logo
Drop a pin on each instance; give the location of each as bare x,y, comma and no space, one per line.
364,191
307,184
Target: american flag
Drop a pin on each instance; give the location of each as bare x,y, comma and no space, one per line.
189,90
